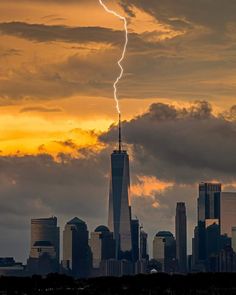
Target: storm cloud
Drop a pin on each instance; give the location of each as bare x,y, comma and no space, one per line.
184,145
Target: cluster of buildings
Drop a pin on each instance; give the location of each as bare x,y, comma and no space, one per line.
214,241
120,248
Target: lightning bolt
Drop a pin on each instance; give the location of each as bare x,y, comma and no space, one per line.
123,53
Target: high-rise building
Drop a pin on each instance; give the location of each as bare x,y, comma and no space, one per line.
143,245
135,239
102,245
46,230
208,208
227,260
227,212
212,237
181,237
119,217
164,250
234,238
209,201
76,253
42,258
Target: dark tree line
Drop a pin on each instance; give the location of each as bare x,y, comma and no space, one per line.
192,284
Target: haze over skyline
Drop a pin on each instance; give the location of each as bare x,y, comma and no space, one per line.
58,63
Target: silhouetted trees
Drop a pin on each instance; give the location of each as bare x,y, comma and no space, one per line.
192,284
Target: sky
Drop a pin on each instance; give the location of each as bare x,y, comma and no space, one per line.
58,119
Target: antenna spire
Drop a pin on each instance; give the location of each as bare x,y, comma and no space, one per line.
120,141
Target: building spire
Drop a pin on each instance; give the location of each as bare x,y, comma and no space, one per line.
120,141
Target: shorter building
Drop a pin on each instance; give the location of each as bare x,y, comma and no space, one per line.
227,212
116,268
135,239
234,238
143,245
76,251
141,266
46,229
102,245
8,267
110,268
43,258
164,250
227,260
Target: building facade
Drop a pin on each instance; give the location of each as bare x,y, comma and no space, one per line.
227,212
45,230
119,216
76,252
181,237
143,245
164,250
102,245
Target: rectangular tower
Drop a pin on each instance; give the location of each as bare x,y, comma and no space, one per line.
46,229
181,236
119,216
208,208
227,212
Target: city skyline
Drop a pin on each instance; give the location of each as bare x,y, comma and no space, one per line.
59,123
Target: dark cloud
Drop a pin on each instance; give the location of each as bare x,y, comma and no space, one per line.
40,109
183,12
34,186
46,33
182,145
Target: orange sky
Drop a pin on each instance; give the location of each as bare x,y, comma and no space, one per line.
50,87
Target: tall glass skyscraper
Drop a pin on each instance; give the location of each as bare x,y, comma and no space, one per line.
208,208
119,216
181,236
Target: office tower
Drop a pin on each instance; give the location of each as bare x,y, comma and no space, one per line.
208,208
181,237
227,260
212,236
234,238
209,201
102,245
143,245
227,212
164,250
43,258
46,229
76,254
119,216
135,239
195,254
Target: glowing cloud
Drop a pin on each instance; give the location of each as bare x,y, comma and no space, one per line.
123,52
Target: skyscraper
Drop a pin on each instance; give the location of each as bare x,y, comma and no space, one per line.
234,238
135,239
46,230
208,208
164,250
227,212
119,216
102,245
209,201
76,254
181,236
143,245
